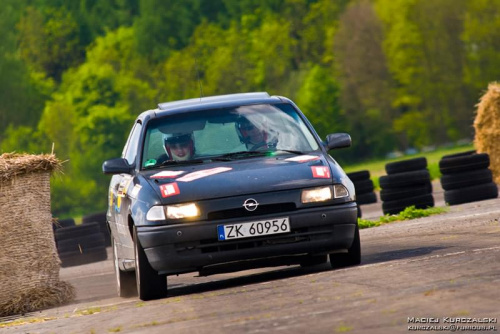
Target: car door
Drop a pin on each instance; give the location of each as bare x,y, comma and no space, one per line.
120,184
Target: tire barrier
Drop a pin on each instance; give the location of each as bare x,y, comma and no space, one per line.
364,187
100,218
80,244
407,183
466,178
63,223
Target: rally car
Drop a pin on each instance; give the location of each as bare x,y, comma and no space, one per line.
227,183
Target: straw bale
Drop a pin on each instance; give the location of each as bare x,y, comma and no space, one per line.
29,264
487,127
13,164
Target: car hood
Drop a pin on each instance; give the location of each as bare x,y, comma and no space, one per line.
249,176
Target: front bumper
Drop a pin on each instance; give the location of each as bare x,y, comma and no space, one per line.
193,246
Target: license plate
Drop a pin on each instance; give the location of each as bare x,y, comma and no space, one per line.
253,229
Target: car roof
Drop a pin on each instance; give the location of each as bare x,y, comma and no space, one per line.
211,102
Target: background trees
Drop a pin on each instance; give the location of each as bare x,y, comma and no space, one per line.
395,74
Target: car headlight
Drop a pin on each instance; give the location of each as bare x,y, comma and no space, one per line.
156,213
182,211
316,195
324,193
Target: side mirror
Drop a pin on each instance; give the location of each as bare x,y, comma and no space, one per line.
337,140
116,166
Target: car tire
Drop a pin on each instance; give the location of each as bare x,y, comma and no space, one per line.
471,194
351,258
364,186
405,179
126,286
464,163
81,244
406,165
99,217
150,285
466,179
396,206
367,198
71,232
359,176
392,194
77,258
461,154
63,223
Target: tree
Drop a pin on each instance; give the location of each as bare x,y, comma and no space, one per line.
425,57
365,84
164,26
49,41
22,93
90,114
318,98
481,37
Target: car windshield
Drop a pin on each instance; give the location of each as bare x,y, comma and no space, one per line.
230,133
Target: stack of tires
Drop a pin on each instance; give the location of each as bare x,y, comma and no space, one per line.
466,178
80,244
364,188
407,183
63,223
99,218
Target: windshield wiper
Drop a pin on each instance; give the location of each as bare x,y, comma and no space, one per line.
185,162
239,155
291,151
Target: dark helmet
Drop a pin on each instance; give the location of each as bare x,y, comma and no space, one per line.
243,126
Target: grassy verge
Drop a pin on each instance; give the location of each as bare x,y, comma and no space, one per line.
409,213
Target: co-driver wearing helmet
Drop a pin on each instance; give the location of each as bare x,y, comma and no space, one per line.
180,146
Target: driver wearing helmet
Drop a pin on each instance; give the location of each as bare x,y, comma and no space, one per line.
250,135
179,146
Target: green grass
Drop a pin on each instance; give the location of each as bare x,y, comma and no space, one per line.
409,213
377,167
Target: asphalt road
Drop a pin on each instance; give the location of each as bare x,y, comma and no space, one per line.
442,267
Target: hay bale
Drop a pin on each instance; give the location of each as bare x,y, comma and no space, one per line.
487,127
29,264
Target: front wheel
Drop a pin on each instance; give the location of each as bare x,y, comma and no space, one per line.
351,258
150,285
125,280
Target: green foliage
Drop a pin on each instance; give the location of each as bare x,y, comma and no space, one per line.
409,213
49,41
24,139
426,57
318,99
21,94
165,25
482,43
95,102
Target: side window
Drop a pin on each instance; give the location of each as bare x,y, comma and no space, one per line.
130,151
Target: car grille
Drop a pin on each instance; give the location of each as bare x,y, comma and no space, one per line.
213,245
242,212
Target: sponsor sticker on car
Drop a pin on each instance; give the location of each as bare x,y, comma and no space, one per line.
203,173
169,189
321,172
166,174
303,158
